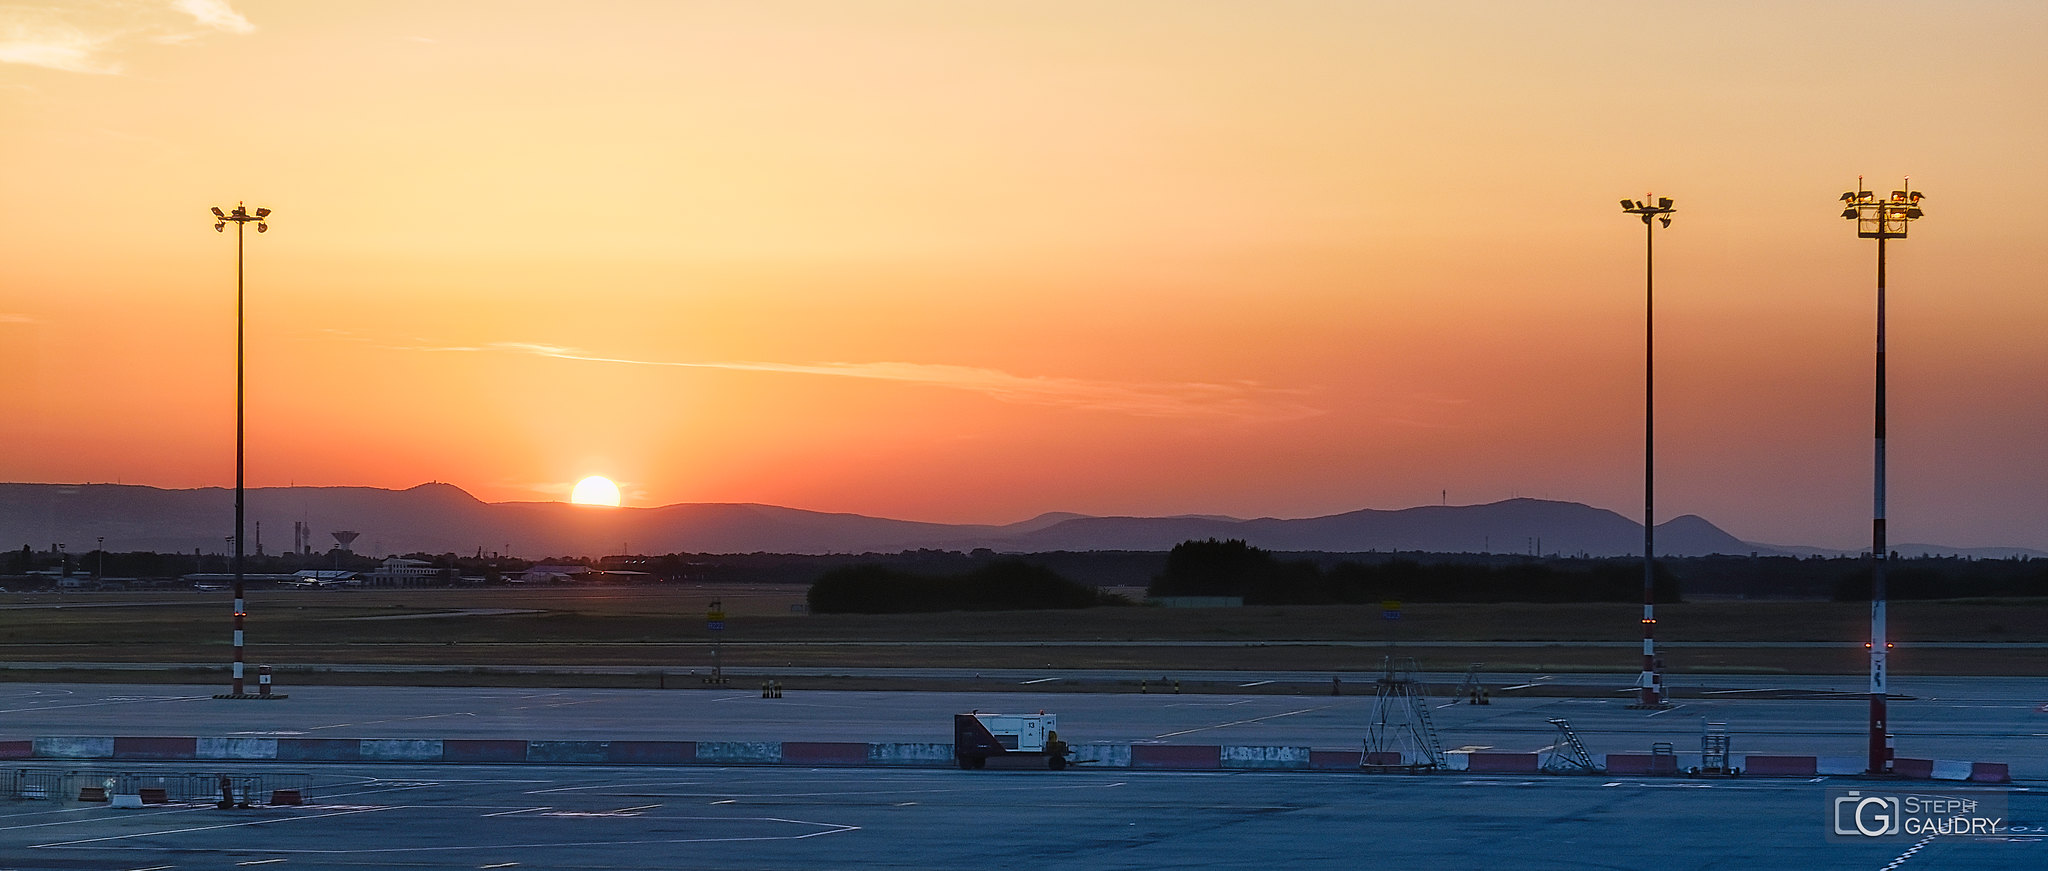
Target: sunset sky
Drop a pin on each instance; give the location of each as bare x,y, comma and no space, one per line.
973,261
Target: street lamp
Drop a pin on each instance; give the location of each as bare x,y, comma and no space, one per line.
1650,685
1880,219
240,217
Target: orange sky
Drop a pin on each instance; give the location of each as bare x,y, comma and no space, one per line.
974,261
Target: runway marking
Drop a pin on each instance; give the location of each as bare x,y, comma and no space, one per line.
499,865
524,810
153,868
59,844
395,720
102,703
1908,854
1256,683
1667,710
824,829
1243,722
1040,680
262,862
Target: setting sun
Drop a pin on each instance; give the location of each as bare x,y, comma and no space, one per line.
596,490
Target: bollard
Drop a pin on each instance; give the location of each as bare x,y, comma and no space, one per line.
1142,690
1176,686
1336,686
263,681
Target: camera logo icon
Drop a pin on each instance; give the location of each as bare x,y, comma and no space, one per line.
1870,816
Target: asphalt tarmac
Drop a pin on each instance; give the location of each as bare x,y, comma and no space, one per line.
741,819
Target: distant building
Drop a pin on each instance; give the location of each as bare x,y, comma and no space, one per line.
401,572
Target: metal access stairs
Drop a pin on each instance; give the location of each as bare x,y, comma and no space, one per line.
1402,734
1568,755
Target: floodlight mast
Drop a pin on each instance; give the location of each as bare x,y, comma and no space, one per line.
240,217
1880,219
1650,685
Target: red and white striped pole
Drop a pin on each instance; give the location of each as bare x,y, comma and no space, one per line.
263,680
1880,219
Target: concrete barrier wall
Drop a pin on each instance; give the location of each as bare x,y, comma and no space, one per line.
1990,772
1197,756
1780,766
568,751
1154,756
824,753
1643,764
155,748
1260,757
400,749
1097,755
739,752
910,754
1335,760
468,750
252,749
74,748
651,752
1501,763
319,750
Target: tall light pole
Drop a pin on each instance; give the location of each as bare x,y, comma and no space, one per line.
240,217
1650,685
1880,219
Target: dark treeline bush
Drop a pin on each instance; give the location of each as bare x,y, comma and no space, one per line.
1947,579
1233,568
1004,585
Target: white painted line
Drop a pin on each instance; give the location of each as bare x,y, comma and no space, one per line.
727,801
499,865
153,868
54,844
524,810
1242,722
1040,680
1256,683
628,810
261,862
1666,710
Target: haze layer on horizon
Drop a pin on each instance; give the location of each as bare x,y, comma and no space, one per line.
972,262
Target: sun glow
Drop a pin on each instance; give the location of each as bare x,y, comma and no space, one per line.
596,490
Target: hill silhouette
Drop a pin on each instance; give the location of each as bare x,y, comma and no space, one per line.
442,518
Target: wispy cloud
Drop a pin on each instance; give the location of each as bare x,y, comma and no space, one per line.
1241,399
87,36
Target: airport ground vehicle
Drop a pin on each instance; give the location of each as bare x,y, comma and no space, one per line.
979,737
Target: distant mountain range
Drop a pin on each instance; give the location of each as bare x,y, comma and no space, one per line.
442,518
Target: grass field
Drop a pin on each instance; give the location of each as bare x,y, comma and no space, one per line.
558,629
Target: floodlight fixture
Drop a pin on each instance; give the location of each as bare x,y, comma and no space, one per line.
1886,218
